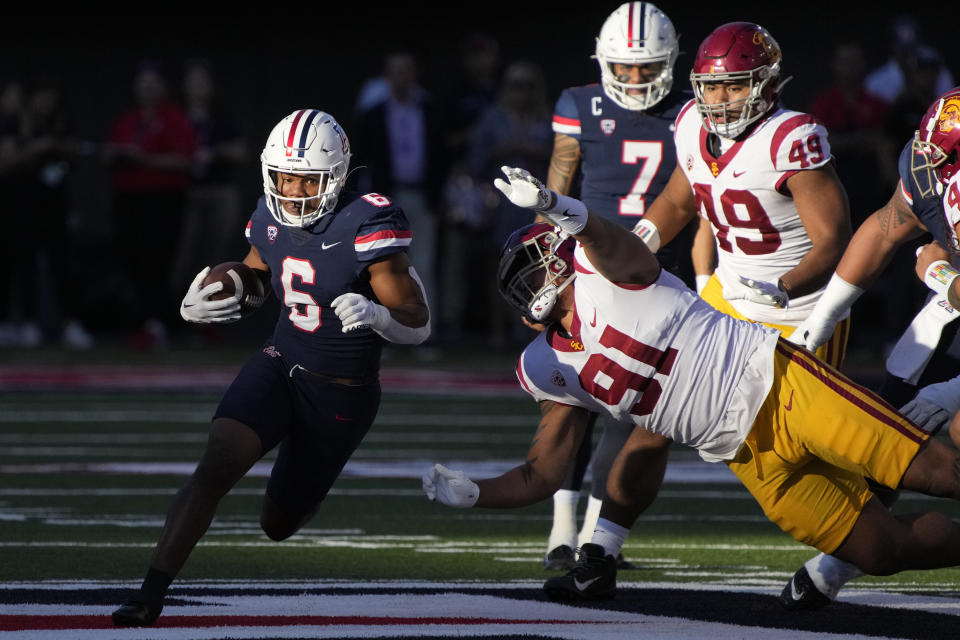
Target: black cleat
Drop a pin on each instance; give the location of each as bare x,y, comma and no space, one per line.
623,563
594,577
801,594
559,559
136,613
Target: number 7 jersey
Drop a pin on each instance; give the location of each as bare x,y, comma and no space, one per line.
744,195
657,356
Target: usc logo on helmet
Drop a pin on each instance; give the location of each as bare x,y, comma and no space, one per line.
949,115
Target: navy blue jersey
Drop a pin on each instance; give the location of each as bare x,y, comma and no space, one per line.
627,156
309,268
928,210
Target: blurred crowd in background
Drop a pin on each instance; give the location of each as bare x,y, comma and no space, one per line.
174,178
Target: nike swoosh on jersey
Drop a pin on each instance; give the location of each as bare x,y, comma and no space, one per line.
737,174
594,322
586,583
789,405
326,246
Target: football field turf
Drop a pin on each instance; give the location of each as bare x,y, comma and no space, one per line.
90,458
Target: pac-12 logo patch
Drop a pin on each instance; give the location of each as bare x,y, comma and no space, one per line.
557,379
608,126
272,232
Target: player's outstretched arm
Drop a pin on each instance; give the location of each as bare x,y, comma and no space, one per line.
555,443
620,256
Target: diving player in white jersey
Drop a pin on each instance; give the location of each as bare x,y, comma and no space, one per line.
640,346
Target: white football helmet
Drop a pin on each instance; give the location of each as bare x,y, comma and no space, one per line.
307,142
637,33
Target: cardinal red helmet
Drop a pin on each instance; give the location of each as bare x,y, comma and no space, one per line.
935,143
740,52
533,258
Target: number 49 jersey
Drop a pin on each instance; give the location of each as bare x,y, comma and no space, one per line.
310,267
657,356
743,194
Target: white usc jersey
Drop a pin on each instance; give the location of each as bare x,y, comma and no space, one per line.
743,194
657,356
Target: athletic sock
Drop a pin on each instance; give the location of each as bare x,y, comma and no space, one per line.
829,574
155,585
589,520
564,530
610,536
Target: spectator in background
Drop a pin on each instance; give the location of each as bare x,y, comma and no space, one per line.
919,90
466,203
36,151
12,331
515,131
150,150
888,80
213,198
855,119
399,142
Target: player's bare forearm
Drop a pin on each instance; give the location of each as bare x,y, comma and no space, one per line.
551,452
876,241
674,208
703,253
620,256
564,161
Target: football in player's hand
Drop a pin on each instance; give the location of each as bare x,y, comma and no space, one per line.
237,278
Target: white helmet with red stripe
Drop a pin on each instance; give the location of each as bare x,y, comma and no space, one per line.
637,33
308,143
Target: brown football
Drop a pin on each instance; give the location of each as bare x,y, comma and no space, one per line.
237,277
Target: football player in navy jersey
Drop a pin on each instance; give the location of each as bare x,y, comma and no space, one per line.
619,135
338,263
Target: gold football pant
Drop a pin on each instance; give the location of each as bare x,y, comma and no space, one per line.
816,438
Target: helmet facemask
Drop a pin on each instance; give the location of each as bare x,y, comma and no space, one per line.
639,96
302,211
935,145
731,119
637,34
530,272
307,144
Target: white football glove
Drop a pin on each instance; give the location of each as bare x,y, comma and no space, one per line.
198,307
813,332
758,291
927,415
523,190
452,488
356,311
838,296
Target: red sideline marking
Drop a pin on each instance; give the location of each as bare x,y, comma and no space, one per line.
35,623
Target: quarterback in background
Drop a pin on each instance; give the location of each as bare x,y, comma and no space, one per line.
619,135
337,262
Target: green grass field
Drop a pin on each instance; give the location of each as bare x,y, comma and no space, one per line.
86,478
